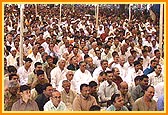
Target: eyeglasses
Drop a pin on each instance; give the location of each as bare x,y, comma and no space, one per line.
57,97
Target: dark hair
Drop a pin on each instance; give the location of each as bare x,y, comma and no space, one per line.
11,69
95,108
153,61
24,88
11,76
146,88
28,60
102,61
156,51
83,85
81,62
37,63
92,84
113,97
143,76
136,63
86,56
40,72
102,73
48,57
46,85
137,78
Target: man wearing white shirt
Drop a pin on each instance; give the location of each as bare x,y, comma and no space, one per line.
146,59
58,73
103,67
107,88
55,103
69,77
97,58
24,71
81,76
132,73
156,76
11,58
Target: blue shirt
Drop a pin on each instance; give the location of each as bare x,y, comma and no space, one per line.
160,103
148,70
112,108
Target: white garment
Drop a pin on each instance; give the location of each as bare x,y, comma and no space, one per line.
23,75
106,91
96,61
153,80
11,60
57,75
49,106
96,73
146,62
80,78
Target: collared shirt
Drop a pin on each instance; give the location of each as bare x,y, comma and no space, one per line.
57,75
9,100
148,70
20,105
128,101
68,98
137,92
155,79
36,58
146,62
49,106
82,104
106,90
107,56
23,75
112,108
96,61
96,73
80,78
140,105
132,74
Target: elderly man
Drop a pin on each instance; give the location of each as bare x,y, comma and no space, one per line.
58,73
11,96
55,103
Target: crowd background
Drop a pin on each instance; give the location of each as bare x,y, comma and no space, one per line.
70,64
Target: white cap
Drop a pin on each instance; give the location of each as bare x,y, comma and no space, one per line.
12,49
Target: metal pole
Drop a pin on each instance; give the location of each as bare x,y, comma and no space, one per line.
60,13
161,29
97,15
36,9
21,35
129,12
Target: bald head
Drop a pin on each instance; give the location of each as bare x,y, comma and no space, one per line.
123,87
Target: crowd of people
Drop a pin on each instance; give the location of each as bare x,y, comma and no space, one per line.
72,65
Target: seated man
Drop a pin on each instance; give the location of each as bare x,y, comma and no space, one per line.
25,103
84,101
55,103
117,103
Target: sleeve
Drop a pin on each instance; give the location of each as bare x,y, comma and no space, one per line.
134,94
160,104
36,106
76,105
101,93
53,78
135,107
46,108
14,108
